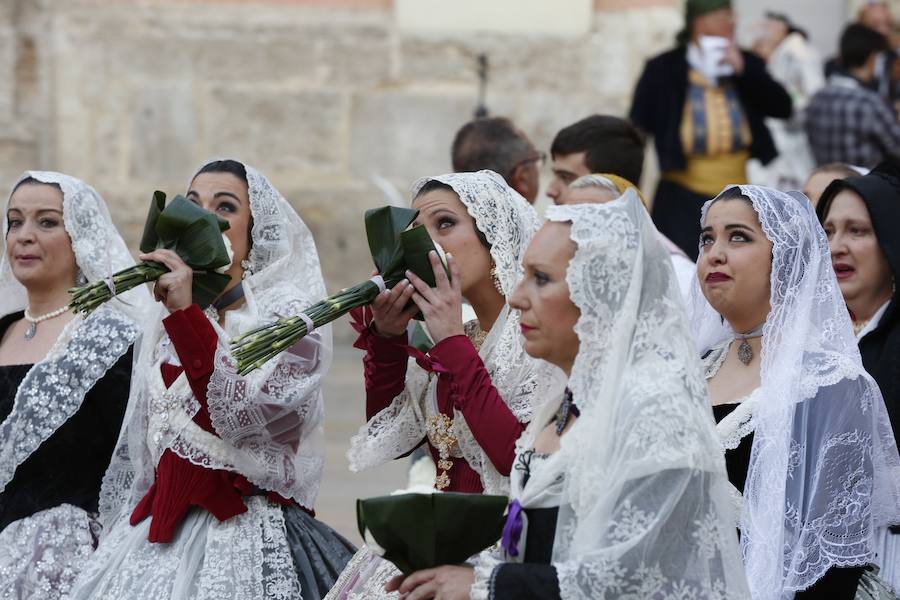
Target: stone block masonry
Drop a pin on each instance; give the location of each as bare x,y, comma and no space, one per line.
132,95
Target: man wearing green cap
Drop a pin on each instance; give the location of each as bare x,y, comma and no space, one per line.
704,104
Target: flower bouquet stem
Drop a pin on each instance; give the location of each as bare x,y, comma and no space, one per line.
255,348
182,226
394,247
86,298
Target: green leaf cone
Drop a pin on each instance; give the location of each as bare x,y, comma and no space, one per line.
395,247
183,227
422,531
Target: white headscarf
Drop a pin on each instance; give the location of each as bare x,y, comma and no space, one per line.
55,387
824,470
269,422
645,509
508,222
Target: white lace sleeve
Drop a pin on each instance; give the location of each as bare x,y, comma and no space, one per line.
485,563
394,430
273,417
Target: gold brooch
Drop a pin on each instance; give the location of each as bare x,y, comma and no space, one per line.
441,436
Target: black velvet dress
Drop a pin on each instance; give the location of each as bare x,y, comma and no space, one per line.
534,578
69,466
836,584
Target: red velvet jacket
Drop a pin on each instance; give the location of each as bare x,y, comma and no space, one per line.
180,484
463,384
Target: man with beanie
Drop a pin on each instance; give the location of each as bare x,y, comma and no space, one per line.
704,103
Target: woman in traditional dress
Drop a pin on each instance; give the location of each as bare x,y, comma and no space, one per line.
806,434
63,380
472,395
619,487
861,217
211,490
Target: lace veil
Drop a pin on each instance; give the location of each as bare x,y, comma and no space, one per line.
645,510
508,222
54,388
824,470
269,422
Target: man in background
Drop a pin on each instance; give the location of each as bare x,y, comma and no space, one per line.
596,144
847,121
606,155
495,143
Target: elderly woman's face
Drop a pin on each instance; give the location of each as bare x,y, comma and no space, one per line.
735,264
861,267
37,246
226,196
548,315
449,224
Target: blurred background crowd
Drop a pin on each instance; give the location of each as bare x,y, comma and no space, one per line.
344,103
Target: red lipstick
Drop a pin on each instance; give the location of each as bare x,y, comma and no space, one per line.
716,277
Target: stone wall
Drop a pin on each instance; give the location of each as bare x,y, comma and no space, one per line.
320,95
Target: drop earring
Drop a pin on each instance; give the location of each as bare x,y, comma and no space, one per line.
495,279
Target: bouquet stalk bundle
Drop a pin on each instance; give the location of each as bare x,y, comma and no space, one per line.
395,248
182,226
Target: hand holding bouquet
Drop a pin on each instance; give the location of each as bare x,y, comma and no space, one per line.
183,227
395,248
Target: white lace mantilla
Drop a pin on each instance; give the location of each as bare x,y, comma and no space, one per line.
508,222
642,462
99,249
824,473
268,424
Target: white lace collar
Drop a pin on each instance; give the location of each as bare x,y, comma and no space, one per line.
737,424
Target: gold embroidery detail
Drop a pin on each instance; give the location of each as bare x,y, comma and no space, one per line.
440,434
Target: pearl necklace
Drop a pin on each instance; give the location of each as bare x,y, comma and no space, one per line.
33,321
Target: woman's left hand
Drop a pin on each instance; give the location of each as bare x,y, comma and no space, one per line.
441,583
441,305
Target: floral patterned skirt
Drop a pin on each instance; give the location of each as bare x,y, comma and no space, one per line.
364,578
270,551
41,555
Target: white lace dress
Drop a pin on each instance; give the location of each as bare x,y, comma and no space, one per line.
735,428
61,416
508,222
48,509
205,453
